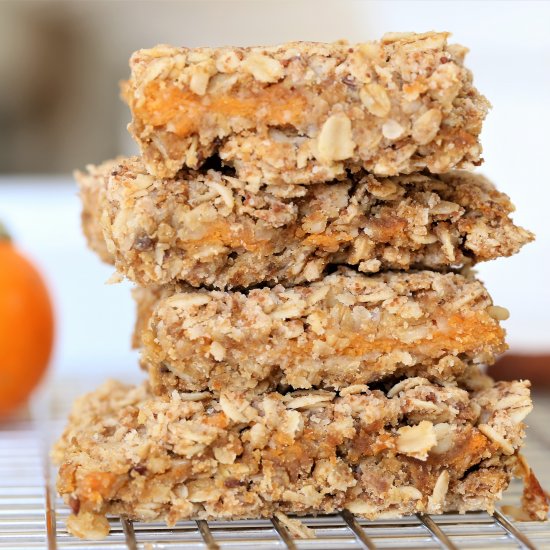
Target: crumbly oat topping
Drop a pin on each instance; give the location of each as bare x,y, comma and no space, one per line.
127,452
305,112
213,229
346,329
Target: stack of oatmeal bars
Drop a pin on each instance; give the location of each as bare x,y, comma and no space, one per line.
301,242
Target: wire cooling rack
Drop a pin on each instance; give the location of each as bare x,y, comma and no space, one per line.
31,516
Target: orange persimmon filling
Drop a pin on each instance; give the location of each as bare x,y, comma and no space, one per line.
97,487
164,103
464,334
225,234
330,243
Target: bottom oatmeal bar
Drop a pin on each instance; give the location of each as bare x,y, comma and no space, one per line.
412,446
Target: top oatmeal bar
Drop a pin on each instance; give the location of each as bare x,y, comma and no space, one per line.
305,112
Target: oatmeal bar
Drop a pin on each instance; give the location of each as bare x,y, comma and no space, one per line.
212,229
415,447
346,329
306,112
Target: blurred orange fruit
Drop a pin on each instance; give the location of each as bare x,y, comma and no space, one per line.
26,326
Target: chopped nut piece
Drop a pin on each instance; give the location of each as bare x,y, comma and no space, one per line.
225,193
224,456
445,437
200,77
142,182
234,410
362,508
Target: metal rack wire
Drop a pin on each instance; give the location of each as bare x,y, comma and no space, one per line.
31,516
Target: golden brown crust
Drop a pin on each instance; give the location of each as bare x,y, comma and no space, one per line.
212,229
345,329
420,447
305,112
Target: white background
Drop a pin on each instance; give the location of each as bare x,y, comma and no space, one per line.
510,57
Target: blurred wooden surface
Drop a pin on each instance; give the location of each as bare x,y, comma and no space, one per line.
533,367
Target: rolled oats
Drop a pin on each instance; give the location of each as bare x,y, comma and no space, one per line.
417,440
426,126
375,99
263,67
335,139
436,502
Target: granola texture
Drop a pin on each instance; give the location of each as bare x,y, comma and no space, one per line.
306,112
346,329
412,447
213,229
145,300
92,184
